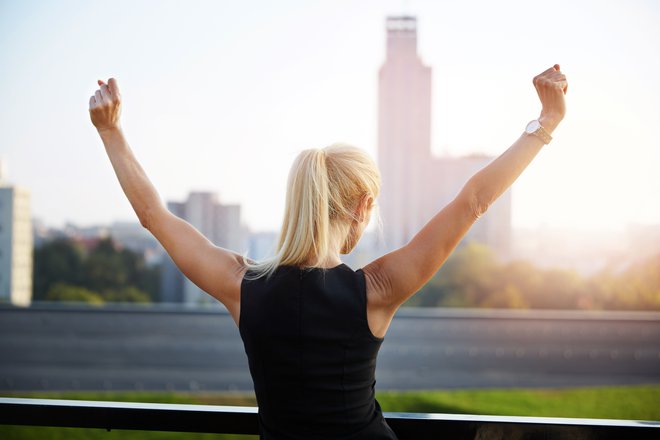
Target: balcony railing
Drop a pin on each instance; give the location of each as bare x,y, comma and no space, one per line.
243,420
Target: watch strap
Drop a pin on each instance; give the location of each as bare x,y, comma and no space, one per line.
543,134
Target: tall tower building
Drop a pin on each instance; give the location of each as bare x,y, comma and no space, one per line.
404,131
220,224
16,244
415,184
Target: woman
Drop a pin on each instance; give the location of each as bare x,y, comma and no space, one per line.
311,326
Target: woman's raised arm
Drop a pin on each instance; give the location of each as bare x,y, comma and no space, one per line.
215,270
105,111
399,274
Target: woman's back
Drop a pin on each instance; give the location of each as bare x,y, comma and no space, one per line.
312,355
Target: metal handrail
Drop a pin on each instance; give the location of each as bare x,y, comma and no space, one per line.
243,420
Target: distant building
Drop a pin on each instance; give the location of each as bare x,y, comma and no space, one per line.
92,233
129,235
133,236
87,237
220,224
263,245
16,244
446,177
415,184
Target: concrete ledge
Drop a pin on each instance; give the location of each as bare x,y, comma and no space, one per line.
403,312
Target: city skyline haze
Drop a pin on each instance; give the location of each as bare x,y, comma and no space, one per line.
221,96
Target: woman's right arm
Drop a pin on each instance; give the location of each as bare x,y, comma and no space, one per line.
397,275
215,270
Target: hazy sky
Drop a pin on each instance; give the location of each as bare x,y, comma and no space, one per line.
221,95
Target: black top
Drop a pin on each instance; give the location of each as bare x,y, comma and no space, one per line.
312,355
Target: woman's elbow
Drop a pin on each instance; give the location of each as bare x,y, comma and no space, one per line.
145,218
476,202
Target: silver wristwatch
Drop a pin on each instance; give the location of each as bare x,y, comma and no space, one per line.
534,127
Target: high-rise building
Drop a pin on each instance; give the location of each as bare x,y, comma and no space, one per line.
404,131
220,224
415,184
16,243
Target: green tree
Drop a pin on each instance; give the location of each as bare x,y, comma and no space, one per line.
126,294
67,292
120,274
636,288
465,280
561,289
138,274
510,297
473,277
104,267
527,278
60,260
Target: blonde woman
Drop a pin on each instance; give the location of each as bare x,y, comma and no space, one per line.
312,326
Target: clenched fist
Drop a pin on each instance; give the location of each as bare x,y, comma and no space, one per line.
105,106
551,87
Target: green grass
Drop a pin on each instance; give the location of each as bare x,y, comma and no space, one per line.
625,402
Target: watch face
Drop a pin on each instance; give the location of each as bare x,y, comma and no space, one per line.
533,126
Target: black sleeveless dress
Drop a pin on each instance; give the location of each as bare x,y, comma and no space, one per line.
311,354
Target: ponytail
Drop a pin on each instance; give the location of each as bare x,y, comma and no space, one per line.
306,227
321,187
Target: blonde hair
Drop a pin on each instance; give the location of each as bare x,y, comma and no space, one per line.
324,189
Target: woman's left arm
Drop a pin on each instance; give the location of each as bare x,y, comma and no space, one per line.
214,269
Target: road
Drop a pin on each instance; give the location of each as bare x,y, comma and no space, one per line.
46,348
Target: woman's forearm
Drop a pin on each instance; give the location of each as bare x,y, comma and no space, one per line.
490,182
133,180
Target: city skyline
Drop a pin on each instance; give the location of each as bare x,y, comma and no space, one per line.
225,104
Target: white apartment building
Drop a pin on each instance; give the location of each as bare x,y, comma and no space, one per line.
16,244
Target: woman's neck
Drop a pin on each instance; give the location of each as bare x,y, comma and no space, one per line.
331,261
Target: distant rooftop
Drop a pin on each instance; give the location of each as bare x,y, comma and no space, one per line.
401,23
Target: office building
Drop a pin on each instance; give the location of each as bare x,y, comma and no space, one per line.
415,183
219,223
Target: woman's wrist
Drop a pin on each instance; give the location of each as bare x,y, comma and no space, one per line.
109,131
549,121
112,137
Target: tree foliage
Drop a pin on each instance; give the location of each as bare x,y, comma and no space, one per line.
60,260
64,272
474,277
70,293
